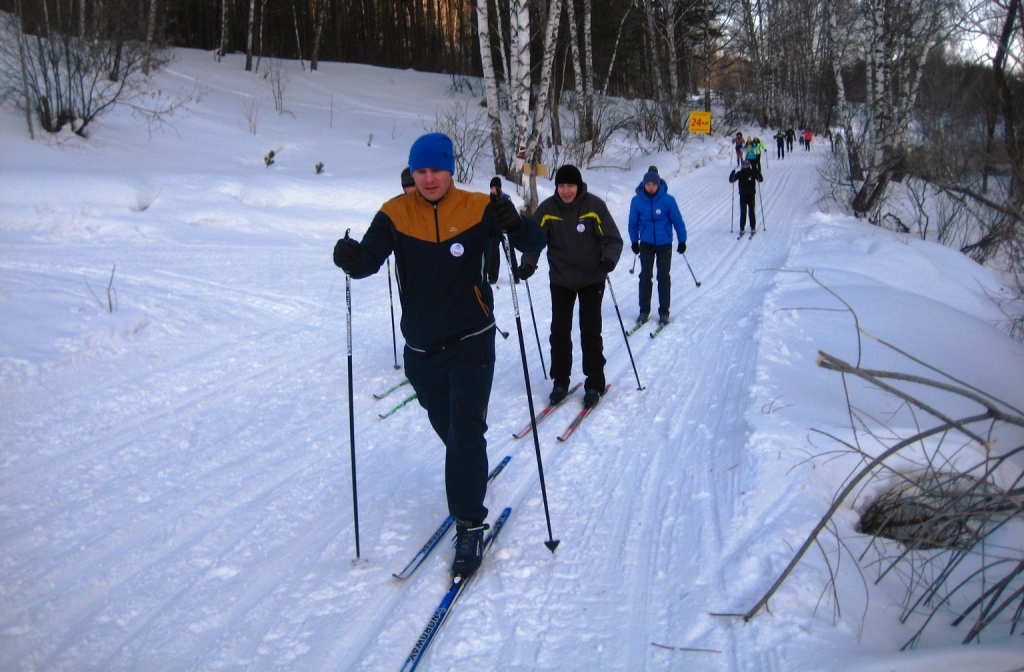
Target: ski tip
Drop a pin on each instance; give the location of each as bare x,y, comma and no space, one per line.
552,545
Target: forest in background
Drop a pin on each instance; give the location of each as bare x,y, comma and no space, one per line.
927,133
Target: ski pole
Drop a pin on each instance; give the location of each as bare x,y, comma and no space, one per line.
351,407
551,543
634,264
625,337
764,223
732,207
391,300
533,316
691,270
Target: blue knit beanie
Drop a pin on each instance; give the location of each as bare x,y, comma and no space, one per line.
652,177
433,150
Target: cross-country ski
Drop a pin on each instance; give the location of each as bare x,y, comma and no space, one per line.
581,416
381,395
449,600
397,407
440,532
545,412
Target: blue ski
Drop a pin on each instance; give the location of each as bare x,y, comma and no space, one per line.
448,601
440,533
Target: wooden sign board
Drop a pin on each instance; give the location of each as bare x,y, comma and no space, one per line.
540,168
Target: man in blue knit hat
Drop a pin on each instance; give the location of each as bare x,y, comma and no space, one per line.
441,238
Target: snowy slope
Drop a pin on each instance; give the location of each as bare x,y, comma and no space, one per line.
175,491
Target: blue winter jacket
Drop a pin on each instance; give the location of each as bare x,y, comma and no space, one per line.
652,218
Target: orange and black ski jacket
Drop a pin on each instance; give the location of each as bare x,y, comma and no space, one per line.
441,252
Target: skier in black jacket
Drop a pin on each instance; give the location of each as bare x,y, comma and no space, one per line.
748,190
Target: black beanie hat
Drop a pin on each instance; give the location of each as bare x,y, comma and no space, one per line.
407,180
496,182
568,174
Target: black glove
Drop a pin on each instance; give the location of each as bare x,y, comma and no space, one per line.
681,248
526,270
503,213
347,255
732,175
635,247
607,265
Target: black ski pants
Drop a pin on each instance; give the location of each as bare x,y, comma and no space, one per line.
747,204
454,386
563,303
649,254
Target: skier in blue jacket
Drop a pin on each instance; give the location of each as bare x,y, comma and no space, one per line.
653,214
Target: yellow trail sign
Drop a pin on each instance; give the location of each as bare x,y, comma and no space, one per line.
700,122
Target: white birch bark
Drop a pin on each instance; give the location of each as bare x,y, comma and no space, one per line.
533,145
248,41
321,9
222,48
150,33
520,80
588,71
490,87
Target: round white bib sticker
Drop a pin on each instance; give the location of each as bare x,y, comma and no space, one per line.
581,227
457,250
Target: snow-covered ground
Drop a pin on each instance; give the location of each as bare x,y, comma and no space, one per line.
175,488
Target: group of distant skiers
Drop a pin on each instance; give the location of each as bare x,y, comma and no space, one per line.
446,244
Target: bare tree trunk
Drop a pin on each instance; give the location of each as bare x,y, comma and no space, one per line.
655,66
589,81
577,72
225,26
248,42
320,7
298,40
491,87
615,51
259,50
23,57
520,78
150,34
673,69
533,145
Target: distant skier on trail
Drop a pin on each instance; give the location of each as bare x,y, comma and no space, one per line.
790,137
747,178
653,214
584,245
441,238
780,144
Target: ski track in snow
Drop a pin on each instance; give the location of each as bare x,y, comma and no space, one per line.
235,443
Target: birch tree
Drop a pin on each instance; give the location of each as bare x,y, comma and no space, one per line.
248,42
519,78
225,29
899,35
320,9
491,87
533,145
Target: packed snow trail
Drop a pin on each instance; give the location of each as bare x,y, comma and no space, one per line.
177,494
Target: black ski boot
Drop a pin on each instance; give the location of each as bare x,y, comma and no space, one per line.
558,394
590,398
469,547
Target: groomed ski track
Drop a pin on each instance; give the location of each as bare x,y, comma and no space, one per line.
238,440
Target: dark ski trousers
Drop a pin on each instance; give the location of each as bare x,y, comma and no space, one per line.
563,302
649,254
747,203
454,385
780,150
